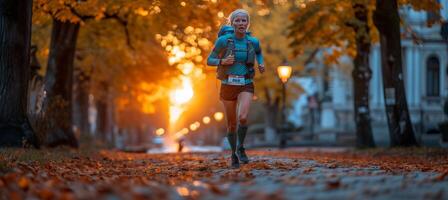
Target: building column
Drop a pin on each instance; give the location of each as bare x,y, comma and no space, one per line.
376,85
418,76
328,116
339,92
409,65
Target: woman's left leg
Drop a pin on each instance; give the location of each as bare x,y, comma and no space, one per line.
244,101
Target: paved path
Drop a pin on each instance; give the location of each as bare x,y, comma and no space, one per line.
292,174
308,179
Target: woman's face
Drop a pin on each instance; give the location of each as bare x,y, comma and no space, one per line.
240,23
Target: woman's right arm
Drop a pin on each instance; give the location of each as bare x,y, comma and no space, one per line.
213,59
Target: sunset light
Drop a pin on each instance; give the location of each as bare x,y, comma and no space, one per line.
185,52
183,94
224,99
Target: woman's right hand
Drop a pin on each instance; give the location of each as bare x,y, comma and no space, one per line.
229,60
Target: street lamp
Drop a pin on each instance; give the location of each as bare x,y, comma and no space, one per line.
206,119
160,131
284,73
218,116
193,127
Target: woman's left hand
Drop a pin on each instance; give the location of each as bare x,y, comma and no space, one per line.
261,68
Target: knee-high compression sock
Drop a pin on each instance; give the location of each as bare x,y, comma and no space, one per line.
231,137
242,130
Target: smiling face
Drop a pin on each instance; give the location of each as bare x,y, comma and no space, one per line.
240,23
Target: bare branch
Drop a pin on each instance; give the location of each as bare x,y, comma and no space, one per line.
311,56
124,23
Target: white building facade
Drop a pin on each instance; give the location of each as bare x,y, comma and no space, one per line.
425,70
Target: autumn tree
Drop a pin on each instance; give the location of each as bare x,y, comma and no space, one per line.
268,25
344,28
361,75
117,50
387,21
67,17
347,28
15,33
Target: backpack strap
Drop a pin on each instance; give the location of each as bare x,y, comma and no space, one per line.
223,51
230,44
249,47
250,61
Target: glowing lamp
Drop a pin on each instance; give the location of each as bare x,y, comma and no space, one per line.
206,120
218,116
284,72
160,131
184,131
193,127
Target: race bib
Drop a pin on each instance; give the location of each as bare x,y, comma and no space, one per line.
236,80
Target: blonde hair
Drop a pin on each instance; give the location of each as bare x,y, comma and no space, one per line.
237,12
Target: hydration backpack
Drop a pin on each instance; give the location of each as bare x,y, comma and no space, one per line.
230,49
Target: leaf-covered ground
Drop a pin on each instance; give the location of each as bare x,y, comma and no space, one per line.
300,173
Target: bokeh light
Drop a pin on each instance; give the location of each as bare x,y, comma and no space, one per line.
218,116
206,120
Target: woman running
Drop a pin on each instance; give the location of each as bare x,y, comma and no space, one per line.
234,54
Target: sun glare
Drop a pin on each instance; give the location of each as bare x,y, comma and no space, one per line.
183,94
175,113
185,53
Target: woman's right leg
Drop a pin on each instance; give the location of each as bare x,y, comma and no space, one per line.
230,110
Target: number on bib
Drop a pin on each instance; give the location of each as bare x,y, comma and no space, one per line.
236,80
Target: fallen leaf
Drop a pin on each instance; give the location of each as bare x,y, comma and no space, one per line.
333,184
24,183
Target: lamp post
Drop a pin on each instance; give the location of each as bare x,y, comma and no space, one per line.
284,73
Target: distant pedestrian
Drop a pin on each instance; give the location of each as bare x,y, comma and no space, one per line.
180,144
234,54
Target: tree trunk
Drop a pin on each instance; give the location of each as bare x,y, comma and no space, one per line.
387,21
101,121
82,104
361,78
59,84
104,119
15,36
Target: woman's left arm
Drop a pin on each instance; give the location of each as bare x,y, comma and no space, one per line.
259,56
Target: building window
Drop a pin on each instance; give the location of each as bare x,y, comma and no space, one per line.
432,77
